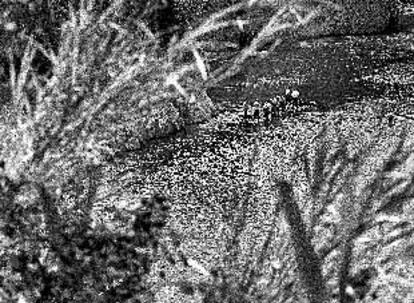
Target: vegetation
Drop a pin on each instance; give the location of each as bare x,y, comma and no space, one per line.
339,18
246,253
357,17
352,183
64,135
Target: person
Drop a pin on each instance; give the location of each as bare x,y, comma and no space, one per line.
295,95
289,102
267,112
295,101
288,95
281,107
245,112
275,102
5,183
256,112
391,119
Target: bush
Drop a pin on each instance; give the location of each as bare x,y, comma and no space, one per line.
340,188
70,261
57,132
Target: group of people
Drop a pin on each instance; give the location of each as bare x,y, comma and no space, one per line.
273,109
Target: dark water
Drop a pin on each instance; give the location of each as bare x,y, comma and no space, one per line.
328,71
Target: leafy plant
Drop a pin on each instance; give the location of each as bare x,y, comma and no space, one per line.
57,133
353,181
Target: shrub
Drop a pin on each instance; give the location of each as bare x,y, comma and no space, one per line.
357,174
56,133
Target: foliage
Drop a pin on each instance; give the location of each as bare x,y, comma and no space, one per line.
239,247
69,261
233,234
57,132
106,78
338,17
272,271
354,179
42,21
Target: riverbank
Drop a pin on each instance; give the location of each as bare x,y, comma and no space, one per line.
214,173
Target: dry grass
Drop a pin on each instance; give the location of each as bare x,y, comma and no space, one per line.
347,188
50,132
99,64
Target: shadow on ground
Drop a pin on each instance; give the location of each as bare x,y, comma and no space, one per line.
330,71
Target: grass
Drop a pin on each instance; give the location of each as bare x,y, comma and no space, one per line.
230,238
215,166
238,239
55,141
